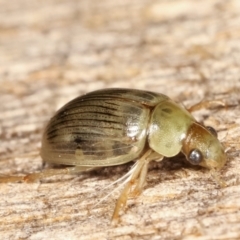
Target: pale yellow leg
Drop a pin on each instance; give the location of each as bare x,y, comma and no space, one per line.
140,181
143,174
139,175
44,174
7,179
206,104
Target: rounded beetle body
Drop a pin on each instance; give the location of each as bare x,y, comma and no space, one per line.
114,126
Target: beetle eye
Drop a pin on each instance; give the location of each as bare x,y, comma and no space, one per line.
195,157
212,131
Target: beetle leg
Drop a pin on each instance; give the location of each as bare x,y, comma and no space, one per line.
52,172
140,181
45,173
9,179
143,174
206,104
138,174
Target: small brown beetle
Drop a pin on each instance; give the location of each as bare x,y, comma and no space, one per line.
115,126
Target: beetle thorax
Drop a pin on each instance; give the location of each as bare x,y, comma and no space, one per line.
169,125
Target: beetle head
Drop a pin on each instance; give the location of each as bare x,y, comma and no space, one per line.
202,147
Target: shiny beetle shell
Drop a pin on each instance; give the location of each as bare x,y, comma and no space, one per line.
114,126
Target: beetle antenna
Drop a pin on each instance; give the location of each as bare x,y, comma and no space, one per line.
217,178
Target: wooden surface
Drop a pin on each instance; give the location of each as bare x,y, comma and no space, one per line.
52,51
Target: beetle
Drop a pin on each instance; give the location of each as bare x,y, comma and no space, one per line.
114,126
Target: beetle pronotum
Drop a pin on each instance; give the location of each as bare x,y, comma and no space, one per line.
115,126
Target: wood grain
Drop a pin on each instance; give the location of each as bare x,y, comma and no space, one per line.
52,51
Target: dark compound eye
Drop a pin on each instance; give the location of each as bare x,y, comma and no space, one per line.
212,131
195,157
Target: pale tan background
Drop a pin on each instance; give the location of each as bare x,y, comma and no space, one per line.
54,50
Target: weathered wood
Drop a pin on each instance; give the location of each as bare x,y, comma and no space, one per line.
52,51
